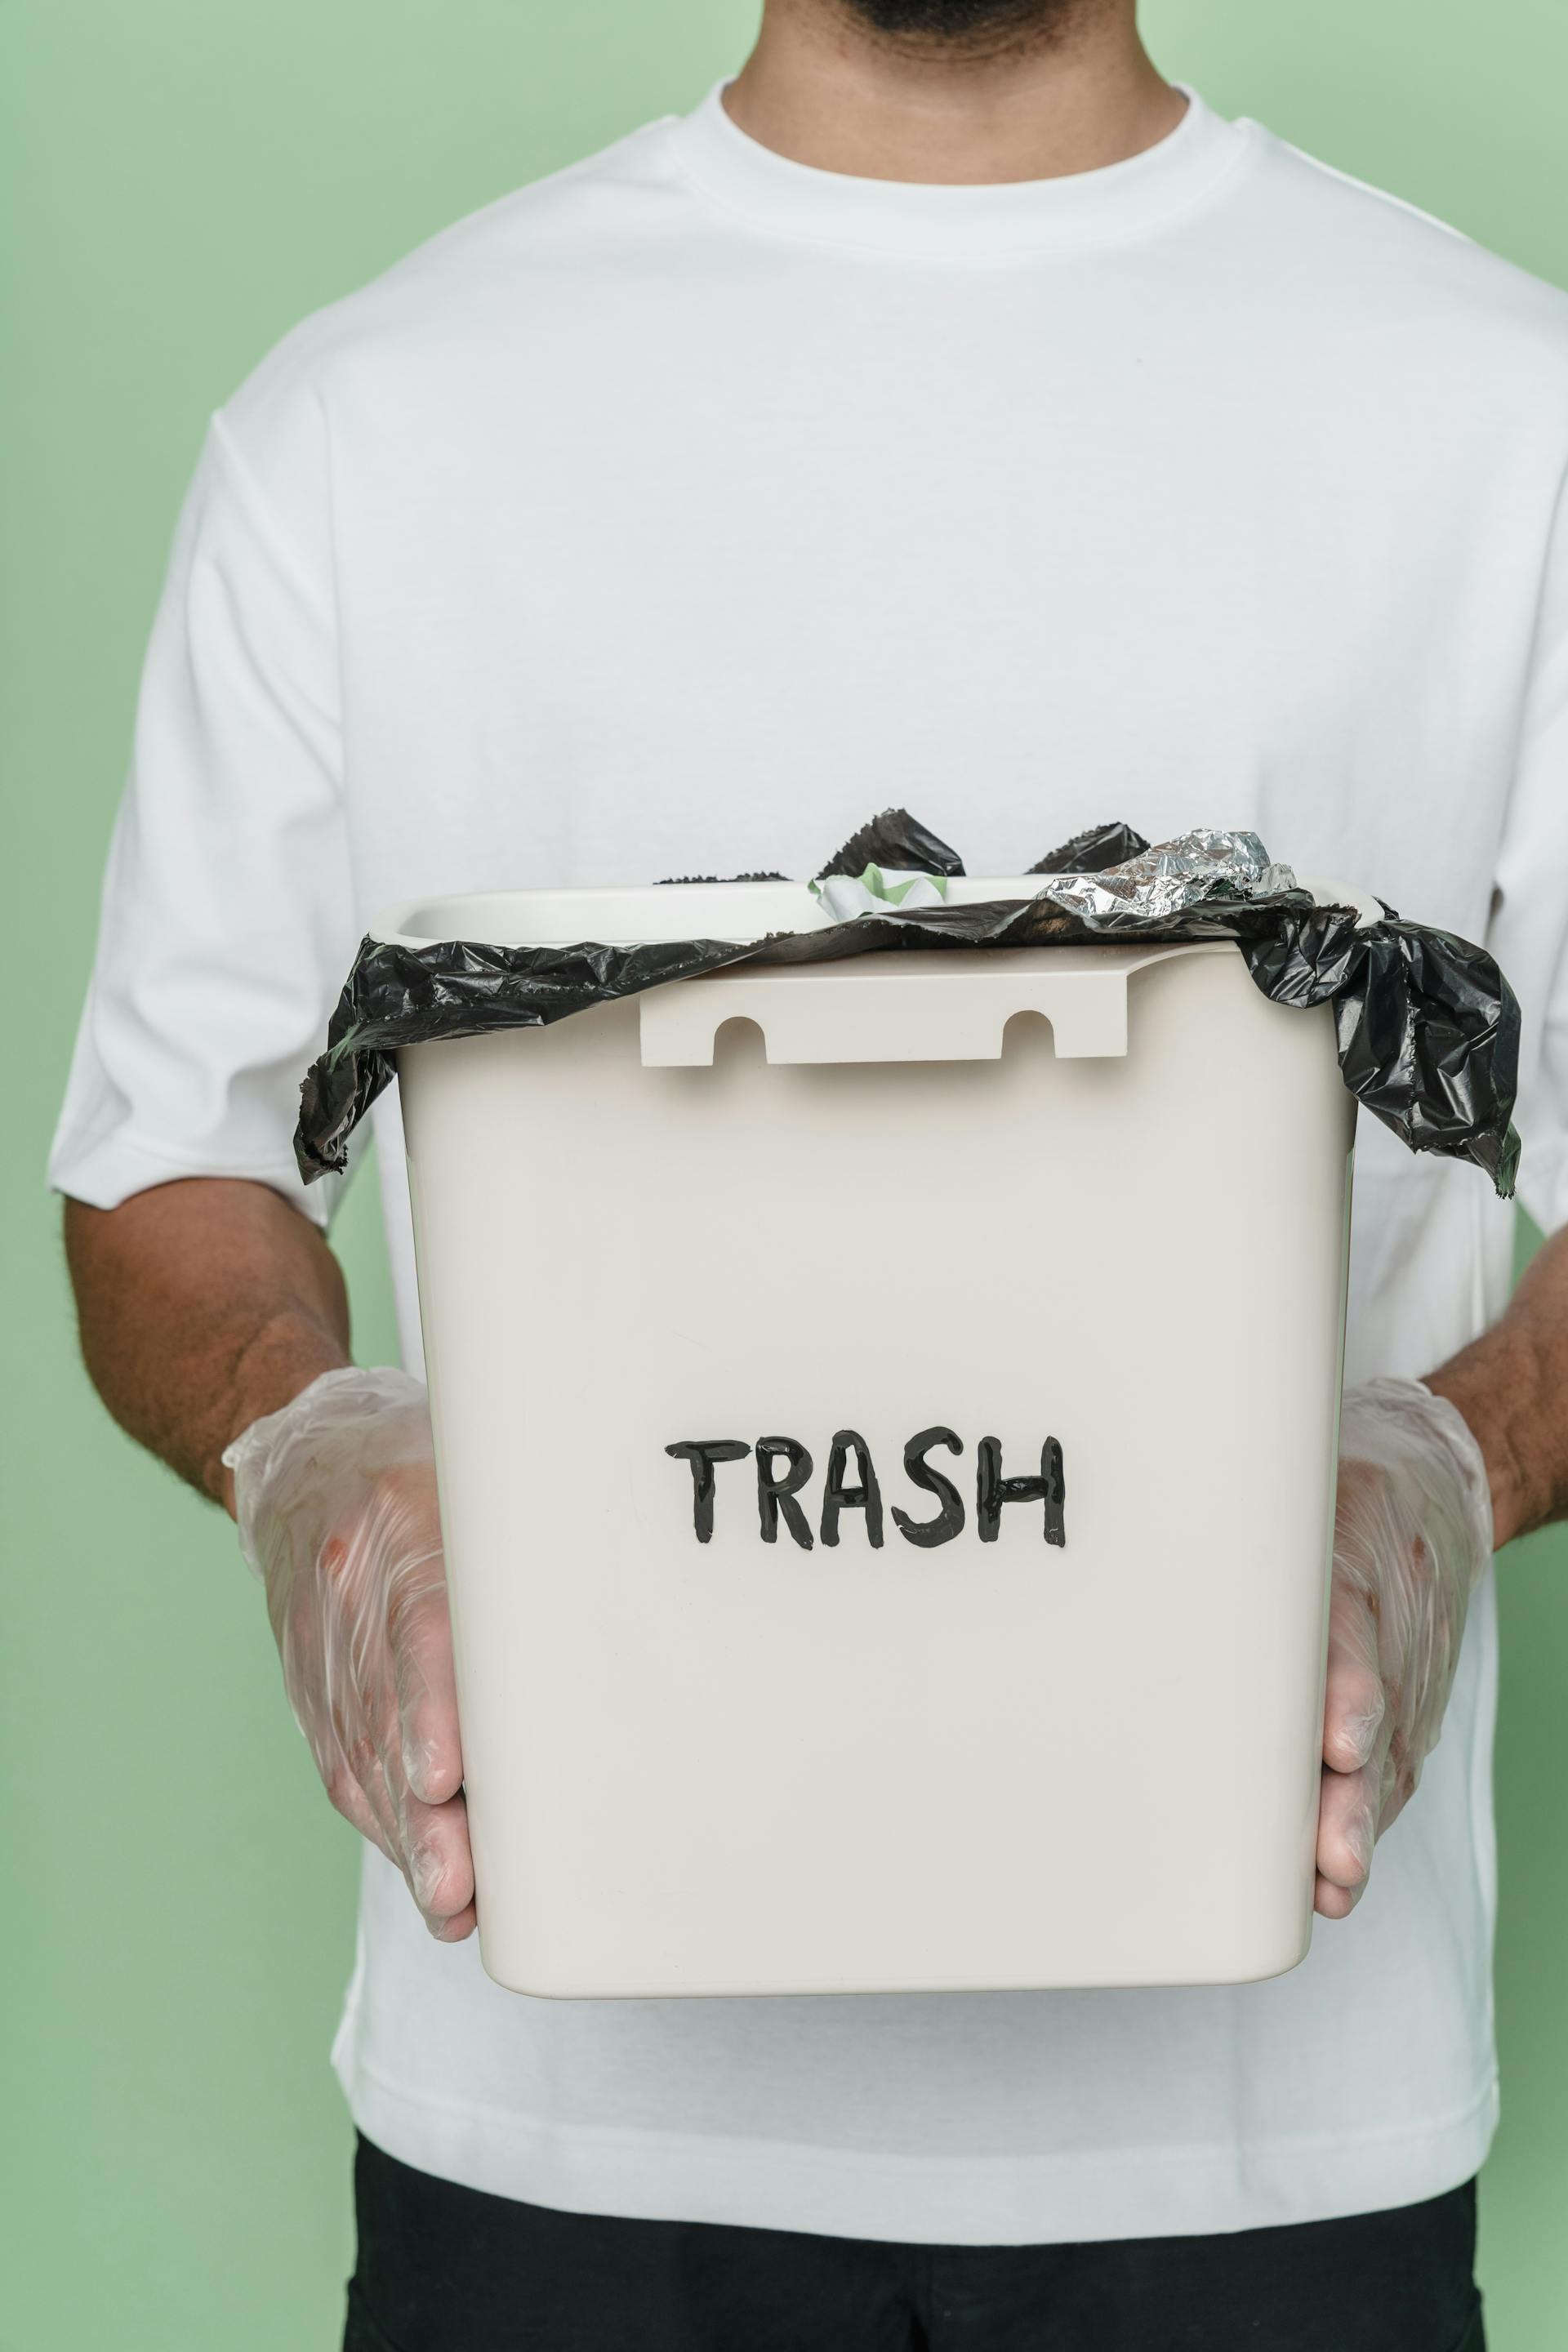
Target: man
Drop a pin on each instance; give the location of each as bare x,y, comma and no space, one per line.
947,412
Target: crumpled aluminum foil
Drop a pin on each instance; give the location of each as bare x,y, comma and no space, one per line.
1198,869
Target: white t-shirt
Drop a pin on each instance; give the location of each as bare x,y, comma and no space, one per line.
673,515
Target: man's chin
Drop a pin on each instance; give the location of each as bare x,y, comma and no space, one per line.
963,22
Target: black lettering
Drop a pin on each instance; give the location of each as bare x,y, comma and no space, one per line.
836,1497
949,1520
703,1452
992,1490
777,1494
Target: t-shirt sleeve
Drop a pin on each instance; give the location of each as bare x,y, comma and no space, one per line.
1529,932
227,916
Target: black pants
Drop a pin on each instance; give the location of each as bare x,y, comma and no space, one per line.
443,2269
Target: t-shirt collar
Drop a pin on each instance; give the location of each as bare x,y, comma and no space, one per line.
1118,203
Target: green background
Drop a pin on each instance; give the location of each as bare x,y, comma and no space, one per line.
182,180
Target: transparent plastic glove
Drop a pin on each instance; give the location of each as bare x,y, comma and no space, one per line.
335,1497
1413,1535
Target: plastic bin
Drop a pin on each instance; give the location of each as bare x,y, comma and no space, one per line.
885,1418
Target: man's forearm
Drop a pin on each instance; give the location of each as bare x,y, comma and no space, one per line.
1511,1385
203,1304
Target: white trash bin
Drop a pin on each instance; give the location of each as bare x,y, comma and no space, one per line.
887,1460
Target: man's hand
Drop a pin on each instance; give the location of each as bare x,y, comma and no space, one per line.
209,1308
335,1497
1413,1534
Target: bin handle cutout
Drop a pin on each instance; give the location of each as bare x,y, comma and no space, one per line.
949,1007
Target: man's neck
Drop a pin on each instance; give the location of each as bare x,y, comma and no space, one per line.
822,88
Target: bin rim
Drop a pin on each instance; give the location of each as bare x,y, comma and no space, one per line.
652,914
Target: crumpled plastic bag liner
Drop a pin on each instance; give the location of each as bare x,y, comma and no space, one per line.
1428,1027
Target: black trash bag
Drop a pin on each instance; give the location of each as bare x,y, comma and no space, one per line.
894,839
1092,852
1427,1028
690,881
